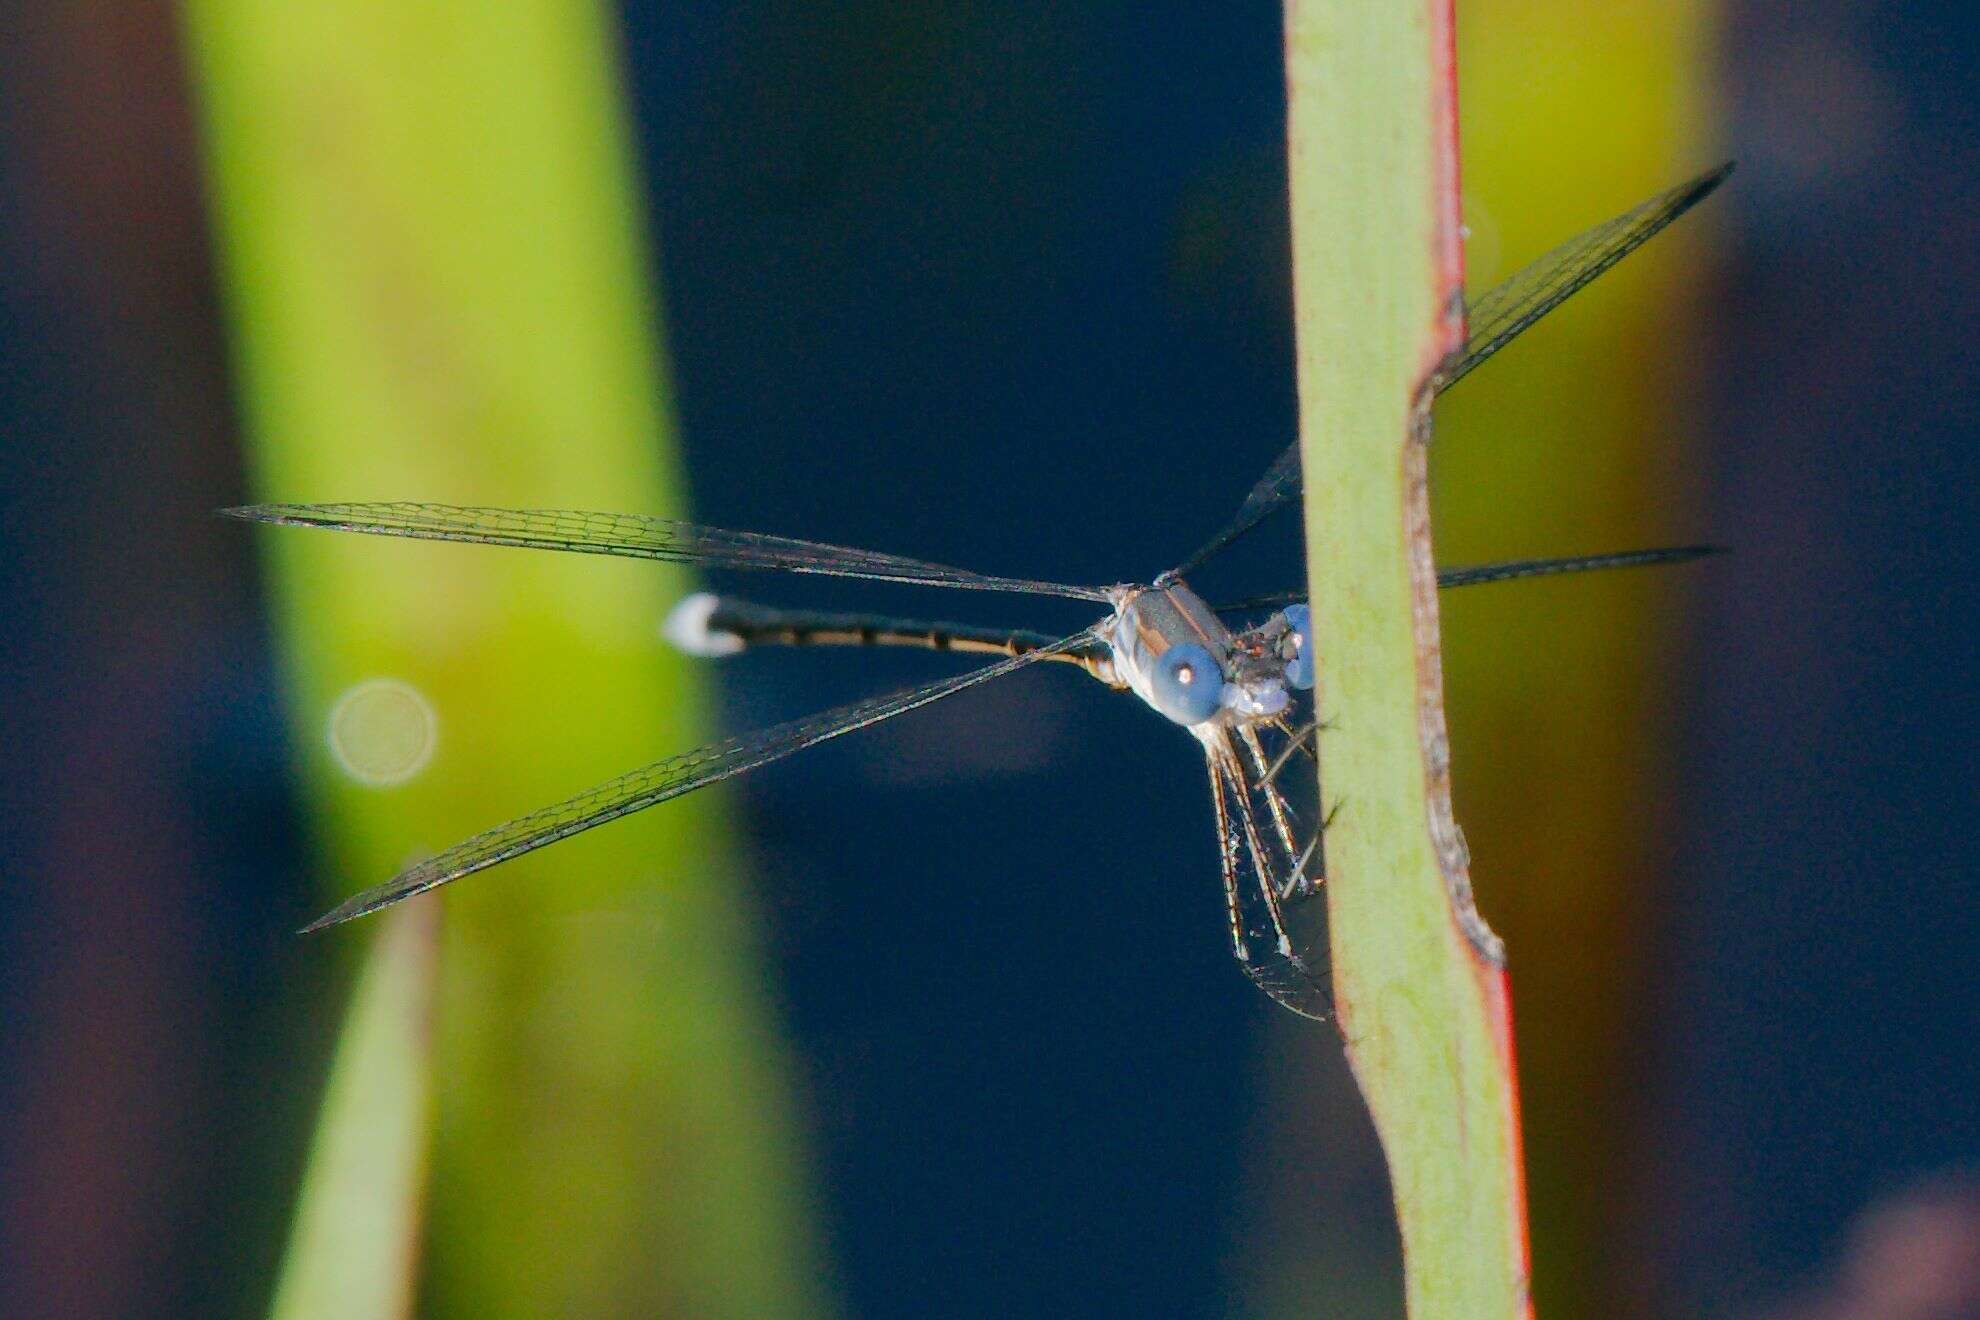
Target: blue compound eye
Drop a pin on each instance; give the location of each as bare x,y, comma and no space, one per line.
1187,683
1299,665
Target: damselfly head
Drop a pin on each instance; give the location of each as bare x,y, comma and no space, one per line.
1255,681
1177,655
1257,698
1186,683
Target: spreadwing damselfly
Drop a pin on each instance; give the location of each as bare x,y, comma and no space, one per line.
1236,676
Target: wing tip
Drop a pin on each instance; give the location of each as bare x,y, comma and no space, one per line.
1707,183
358,905
289,515
334,917
1682,554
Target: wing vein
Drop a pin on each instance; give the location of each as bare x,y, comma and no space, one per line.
667,778
1498,317
635,536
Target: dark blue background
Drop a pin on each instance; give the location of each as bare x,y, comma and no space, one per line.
1077,382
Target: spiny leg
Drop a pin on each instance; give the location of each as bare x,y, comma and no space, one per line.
1261,857
1297,884
1301,883
1227,856
1275,802
1289,970
1295,742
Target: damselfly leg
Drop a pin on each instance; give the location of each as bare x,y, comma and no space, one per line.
1278,925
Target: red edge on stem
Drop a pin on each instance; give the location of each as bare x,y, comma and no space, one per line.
1497,990
1449,201
1493,983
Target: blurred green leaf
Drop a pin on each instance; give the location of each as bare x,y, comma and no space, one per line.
1580,437
438,290
353,1248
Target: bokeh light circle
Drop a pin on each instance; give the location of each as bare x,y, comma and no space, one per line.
382,731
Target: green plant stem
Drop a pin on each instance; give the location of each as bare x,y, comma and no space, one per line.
1419,979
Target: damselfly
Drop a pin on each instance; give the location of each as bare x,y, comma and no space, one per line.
1232,679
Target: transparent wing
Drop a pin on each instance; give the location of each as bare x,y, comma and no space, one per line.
637,537
1506,570
1280,483
1278,917
664,779
1504,312
1497,318
1509,569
